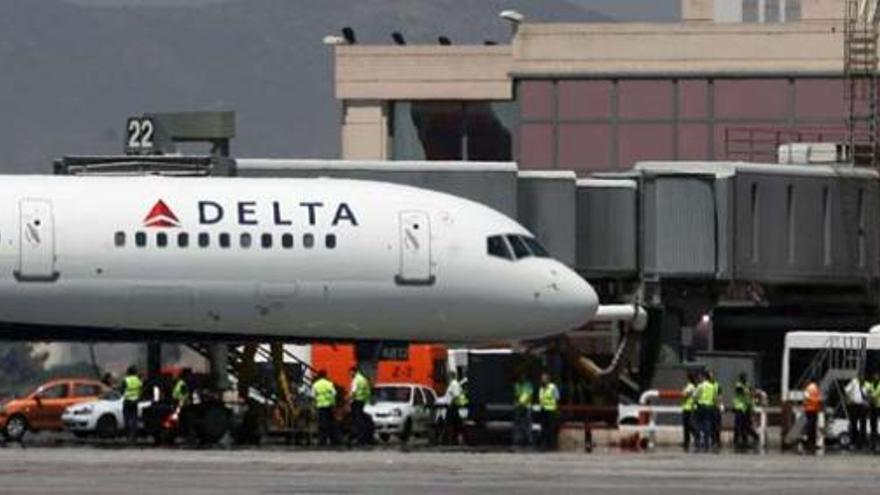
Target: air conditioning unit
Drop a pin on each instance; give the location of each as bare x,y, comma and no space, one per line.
811,153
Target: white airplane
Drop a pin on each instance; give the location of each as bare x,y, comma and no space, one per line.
225,258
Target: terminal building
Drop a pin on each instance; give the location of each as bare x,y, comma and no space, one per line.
655,130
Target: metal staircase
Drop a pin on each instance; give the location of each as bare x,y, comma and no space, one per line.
842,358
860,72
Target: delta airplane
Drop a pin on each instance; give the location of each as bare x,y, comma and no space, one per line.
231,258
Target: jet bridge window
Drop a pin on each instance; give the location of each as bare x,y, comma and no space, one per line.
496,246
119,239
140,239
520,250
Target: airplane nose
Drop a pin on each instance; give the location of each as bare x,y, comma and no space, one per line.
571,301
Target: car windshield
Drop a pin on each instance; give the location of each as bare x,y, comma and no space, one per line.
111,395
392,394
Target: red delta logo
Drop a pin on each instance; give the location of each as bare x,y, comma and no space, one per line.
161,216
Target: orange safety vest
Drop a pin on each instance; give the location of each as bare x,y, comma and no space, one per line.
812,398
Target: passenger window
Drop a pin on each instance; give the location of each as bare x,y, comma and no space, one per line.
245,240
418,400
225,241
119,239
287,241
330,241
86,390
496,246
519,247
204,239
309,241
266,241
536,248
162,239
54,392
140,239
182,239
429,397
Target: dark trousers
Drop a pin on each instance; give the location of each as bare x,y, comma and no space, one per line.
716,427
326,426
857,425
359,430
522,426
687,428
130,418
549,432
811,427
875,435
706,435
453,425
744,436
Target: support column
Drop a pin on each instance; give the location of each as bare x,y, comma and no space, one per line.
219,362
154,359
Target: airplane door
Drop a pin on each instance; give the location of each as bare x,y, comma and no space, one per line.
415,249
36,241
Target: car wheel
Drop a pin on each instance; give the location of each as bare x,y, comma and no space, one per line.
384,437
16,427
844,441
107,427
406,433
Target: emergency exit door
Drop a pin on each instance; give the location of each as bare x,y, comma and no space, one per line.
36,241
415,249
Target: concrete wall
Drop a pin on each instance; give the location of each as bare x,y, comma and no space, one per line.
413,72
546,206
365,130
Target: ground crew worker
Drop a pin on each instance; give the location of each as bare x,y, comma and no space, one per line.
688,407
717,411
874,399
132,387
457,401
706,395
812,407
523,395
743,407
855,403
182,395
324,395
548,399
359,395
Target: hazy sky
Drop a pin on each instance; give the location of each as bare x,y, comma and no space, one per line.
636,10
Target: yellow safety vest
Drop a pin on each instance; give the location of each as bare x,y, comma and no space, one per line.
362,392
742,397
687,401
706,394
460,400
324,393
547,397
523,392
180,391
133,386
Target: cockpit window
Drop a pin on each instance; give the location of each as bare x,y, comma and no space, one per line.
536,248
497,247
520,250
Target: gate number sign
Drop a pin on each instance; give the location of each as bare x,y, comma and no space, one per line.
140,134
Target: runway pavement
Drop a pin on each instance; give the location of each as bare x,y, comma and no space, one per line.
91,470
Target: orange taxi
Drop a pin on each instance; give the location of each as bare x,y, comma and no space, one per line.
41,409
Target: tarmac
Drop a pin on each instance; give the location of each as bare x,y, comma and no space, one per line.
114,470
